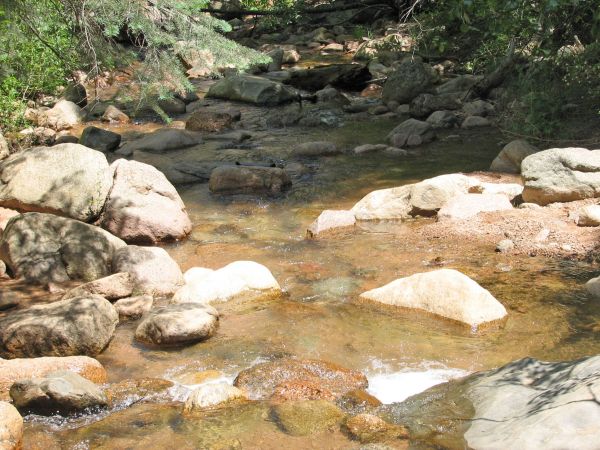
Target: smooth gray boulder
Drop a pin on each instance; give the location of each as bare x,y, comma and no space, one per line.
185,323
44,248
561,175
102,140
78,326
424,104
161,141
60,392
143,207
409,80
251,89
154,272
512,154
343,76
411,132
316,148
525,405
68,180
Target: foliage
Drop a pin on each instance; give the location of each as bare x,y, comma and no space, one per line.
57,36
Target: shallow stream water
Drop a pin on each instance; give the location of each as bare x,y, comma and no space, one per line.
550,316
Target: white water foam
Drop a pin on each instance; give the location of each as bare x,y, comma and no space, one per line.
398,386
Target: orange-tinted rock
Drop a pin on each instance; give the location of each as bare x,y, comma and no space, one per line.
261,381
301,390
368,428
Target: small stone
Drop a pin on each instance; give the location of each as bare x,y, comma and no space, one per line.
505,246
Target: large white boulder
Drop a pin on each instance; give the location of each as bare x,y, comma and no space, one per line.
385,204
238,280
465,206
446,293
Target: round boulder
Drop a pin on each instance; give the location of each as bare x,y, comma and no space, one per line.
11,427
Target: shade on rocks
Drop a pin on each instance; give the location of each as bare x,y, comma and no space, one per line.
102,140
446,293
143,207
68,179
251,89
240,280
78,326
45,248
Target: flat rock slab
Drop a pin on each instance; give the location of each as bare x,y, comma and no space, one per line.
446,293
251,89
465,206
178,324
249,180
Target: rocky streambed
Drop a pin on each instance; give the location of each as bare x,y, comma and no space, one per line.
237,329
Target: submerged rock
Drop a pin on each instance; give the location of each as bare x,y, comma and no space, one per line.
11,427
126,391
367,428
154,272
248,180
561,175
446,293
304,418
45,248
240,280
262,380
330,221
210,121
78,326
12,370
67,179
211,395
63,392
178,324
143,207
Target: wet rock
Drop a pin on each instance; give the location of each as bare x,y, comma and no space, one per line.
12,370
70,180
561,175
112,114
446,293
63,392
505,246
251,89
45,248
385,204
209,121
161,141
132,308
62,116
143,206
262,380
212,395
112,287
153,270
464,206
510,158
11,427
304,418
351,77
134,390
76,93
249,180
358,401
411,133
424,104
443,119
370,148
102,140
367,428
4,150
318,148
78,326
409,80
519,406
330,221
475,122
589,216
178,324
240,280
479,108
